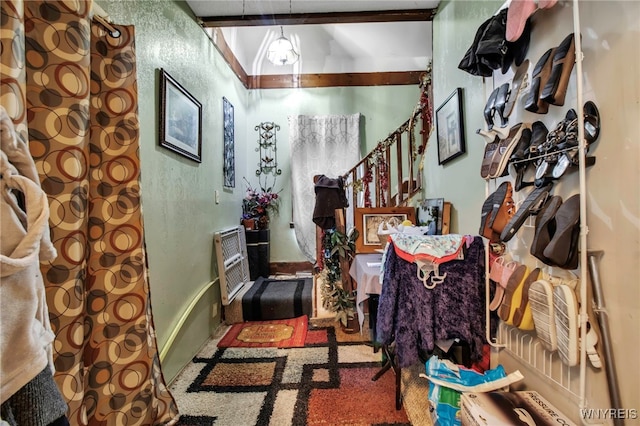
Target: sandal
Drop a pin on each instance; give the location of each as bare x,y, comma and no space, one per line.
532,204
519,83
564,58
502,279
539,78
489,108
522,317
503,208
496,132
512,294
545,228
521,159
562,248
501,104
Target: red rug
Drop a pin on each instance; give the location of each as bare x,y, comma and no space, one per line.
285,333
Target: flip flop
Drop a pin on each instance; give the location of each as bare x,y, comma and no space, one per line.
541,301
518,84
534,201
522,316
564,57
562,249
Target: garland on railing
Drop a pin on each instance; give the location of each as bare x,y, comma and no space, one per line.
423,109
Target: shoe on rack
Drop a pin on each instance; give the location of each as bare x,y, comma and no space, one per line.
522,316
565,309
487,208
539,77
524,156
531,205
496,272
542,311
506,146
490,152
562,250
496,132
501,104
490,108
513,293
545,228
518,84
503,208
564,57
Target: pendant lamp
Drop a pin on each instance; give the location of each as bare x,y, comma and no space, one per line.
281,51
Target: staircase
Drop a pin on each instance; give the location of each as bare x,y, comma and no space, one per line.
391,174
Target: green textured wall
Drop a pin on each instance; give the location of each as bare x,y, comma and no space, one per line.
178,194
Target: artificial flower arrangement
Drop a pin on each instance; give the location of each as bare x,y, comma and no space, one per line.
258,204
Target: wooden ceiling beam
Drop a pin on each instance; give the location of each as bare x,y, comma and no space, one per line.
318,18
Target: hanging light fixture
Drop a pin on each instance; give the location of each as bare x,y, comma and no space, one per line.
281,51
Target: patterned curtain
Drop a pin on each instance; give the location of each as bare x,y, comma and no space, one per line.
320,145
70,88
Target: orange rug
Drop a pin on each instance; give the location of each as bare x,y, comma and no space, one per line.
285,333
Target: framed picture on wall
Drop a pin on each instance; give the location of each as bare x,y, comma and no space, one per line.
180,119
450,128
368,220
430,215
229,156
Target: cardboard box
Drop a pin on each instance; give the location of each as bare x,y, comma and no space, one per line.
509,408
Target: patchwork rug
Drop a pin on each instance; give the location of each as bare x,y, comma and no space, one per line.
270,299
327,382
287,333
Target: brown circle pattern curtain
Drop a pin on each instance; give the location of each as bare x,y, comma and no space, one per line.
71,91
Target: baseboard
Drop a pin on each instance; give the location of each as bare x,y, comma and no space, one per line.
289,268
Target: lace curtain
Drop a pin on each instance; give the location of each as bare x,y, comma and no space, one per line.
320,145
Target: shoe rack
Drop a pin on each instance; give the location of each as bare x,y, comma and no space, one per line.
524,345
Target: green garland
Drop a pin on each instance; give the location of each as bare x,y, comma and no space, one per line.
336,299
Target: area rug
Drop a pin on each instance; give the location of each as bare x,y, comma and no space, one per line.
327,382
270,299
287,333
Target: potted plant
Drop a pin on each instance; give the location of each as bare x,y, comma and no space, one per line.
257,205
335,298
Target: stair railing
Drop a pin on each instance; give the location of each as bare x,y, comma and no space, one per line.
391,174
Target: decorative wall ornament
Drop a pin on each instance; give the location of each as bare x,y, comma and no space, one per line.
229,167
268,150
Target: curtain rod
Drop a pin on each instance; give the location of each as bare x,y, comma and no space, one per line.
113,31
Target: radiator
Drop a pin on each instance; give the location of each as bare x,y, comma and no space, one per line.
233,266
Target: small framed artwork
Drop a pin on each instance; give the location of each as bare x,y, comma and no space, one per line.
229,156
368,220
430,214
180,119
450,128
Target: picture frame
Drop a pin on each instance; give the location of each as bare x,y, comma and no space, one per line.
367,221
430,213
450,128
228,129
180,119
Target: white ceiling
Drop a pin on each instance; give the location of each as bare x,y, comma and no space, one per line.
326,48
